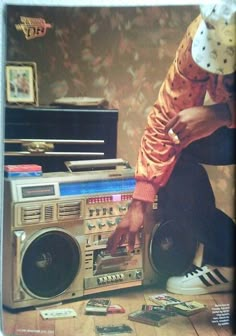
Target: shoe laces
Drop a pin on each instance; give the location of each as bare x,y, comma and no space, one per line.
194,270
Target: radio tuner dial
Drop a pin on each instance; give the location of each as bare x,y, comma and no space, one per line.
91,226
122,208
111,223
101,224
118,220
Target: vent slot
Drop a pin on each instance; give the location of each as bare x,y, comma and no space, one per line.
31,214
69,210
48,213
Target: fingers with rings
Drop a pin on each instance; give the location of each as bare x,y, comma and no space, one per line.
174,137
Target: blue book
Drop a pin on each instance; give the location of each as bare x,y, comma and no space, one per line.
23,174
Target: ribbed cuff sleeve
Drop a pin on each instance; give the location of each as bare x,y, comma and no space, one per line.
145,191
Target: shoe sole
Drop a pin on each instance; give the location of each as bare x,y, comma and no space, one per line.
199,291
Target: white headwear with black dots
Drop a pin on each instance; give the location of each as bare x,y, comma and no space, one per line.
214,43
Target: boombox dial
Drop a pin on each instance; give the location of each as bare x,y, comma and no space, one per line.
103,213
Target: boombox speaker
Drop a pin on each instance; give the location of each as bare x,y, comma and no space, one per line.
169,247
43,257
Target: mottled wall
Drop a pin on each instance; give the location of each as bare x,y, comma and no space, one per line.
121,54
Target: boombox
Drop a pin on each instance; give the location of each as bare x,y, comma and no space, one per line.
55,232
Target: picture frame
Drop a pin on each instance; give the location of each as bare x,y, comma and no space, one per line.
21,83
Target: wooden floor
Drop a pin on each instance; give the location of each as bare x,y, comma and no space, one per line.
205,323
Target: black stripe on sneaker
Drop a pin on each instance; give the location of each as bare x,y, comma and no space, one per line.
220,276
214,280
204,281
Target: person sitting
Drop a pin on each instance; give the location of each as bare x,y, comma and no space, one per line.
182,133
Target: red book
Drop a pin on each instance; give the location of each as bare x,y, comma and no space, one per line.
23,168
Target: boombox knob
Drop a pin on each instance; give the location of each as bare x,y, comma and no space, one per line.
139,275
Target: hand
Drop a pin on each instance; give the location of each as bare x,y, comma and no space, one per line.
198,122
128,227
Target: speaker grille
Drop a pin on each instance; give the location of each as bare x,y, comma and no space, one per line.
31,214
69,210
50,264
172,247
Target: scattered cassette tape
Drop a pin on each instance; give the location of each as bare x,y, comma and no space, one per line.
59,313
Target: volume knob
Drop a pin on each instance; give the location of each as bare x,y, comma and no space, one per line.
91,226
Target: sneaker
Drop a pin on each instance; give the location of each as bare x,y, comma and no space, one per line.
202,280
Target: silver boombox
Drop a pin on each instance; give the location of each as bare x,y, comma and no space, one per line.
55,233
56,229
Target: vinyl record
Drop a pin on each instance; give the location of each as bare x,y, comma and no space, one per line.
172,247
50,264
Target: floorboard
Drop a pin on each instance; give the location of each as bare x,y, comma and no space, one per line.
209,322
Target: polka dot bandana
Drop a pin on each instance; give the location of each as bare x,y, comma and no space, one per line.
214,44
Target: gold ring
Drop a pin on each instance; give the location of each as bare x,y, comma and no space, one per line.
174,137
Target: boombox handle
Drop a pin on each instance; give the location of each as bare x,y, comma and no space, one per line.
105,163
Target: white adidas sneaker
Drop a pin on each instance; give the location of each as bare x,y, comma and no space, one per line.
202,280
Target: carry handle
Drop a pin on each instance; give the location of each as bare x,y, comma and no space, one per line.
105,163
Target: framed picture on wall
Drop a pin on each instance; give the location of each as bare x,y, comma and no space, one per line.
21,83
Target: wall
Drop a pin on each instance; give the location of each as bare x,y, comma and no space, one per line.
121,54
